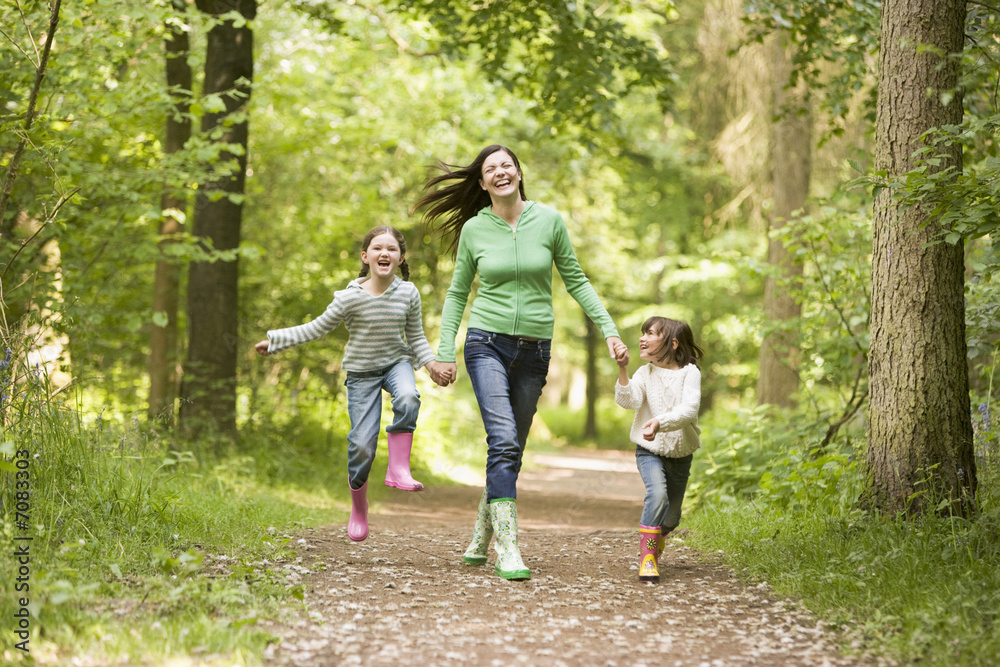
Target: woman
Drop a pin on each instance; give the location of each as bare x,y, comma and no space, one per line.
511,243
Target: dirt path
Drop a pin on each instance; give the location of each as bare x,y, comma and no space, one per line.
404,596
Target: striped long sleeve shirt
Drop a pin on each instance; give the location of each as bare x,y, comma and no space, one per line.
384,329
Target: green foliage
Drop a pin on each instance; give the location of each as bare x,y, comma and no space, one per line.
123,522
923,590
963,199
836,47
86,201
572,62
833,243
566,426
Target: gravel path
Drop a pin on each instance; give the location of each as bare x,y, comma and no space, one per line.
404,597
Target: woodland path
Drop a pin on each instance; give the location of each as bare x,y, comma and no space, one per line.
403,597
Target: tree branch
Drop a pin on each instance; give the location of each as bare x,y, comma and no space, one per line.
29,117
18,47
853,405
34,46
836,306
62,200
401,43
987,5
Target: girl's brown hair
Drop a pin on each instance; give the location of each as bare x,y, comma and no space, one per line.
686,352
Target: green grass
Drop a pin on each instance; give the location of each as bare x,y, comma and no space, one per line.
920,591
130,529
925,591
127,531
146,548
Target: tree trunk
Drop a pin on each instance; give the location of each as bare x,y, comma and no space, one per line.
209,386
920,431
791,169
166,285
593,336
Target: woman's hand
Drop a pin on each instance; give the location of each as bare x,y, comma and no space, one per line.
443,373
262,348
618,350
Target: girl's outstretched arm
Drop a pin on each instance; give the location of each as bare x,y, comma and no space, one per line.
261,348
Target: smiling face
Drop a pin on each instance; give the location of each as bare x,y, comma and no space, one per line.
382,255
652,345
500,176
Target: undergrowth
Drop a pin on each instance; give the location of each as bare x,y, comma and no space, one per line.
125,527
920,591
145,548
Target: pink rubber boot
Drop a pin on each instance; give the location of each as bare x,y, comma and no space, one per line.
648,537
398,473
357,525
661,542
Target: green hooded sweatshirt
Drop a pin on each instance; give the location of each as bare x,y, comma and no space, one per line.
515,277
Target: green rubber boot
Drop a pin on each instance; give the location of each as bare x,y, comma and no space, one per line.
481,535
503,512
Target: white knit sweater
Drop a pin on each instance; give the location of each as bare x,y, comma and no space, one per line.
673,397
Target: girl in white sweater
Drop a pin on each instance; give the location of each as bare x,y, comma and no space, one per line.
666,395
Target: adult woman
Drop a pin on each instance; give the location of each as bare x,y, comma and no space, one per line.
512,244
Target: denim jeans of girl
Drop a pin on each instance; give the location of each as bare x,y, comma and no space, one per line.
507,374
666,480
364,405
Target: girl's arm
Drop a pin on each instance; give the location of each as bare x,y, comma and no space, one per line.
423,355
414,330
631,395
686,412
282,339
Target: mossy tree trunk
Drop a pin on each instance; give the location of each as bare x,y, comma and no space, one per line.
209,384
920,433
166,282
791,170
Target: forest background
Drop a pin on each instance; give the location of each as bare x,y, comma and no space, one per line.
180,177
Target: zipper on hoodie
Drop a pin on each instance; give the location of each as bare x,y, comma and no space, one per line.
517,277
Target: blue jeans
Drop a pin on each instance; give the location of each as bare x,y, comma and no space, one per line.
364,405
507,375
666,480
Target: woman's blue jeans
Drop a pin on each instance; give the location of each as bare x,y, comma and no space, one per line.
507,374
666,480
364,405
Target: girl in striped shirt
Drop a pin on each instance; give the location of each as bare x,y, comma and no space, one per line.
382,315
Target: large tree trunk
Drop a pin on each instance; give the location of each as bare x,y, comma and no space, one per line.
791,169
920,434
166,285
209,386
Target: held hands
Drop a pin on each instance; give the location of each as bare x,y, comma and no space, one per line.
618,350
261,348
649,429
443,373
